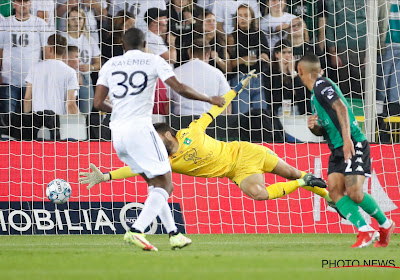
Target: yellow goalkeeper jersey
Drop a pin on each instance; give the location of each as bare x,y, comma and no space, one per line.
200,155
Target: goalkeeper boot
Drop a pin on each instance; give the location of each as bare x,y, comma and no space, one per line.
178,241
333,205
313,181
139,240
385,234
365,238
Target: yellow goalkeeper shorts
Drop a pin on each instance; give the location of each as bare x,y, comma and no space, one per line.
252,159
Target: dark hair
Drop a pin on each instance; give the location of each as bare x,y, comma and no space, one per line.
252,26
154,13
133,39
59,43
199,48
310,58
280,45
72,48
220,37
162,128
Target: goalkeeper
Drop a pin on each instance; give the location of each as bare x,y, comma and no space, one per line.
192,152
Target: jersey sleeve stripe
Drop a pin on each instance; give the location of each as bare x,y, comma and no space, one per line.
160,156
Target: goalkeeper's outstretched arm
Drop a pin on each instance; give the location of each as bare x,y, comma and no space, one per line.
96,177
230,95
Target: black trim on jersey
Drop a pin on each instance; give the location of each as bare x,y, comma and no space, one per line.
328,107
160,156
212,117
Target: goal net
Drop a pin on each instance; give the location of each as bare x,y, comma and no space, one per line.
211,45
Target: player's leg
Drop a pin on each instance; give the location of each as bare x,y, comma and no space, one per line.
355,172
177,239
287,171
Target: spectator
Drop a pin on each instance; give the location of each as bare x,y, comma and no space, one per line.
206,28
182,15
157,26
314,15
226,12
72,61
301,44
6,8
21,39
276,25
388,82
346,34
198,74
45,10
78,35
51,86
249,51
282,82
112,44
95,11
136,7
206,4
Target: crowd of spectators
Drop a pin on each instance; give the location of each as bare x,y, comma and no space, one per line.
209,43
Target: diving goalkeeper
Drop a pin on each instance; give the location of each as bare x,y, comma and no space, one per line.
192,152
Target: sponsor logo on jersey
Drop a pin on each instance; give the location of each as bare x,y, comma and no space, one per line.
330,96
187,141
327,89
319,82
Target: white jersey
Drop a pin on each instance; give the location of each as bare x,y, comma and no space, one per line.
268,25
88,47
51,79
204,78
91,19
137,7
131,79
45,6
21,42
225,11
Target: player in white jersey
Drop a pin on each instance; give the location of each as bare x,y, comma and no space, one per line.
137,7
129,81
21,38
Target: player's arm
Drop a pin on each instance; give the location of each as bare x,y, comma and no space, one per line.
96,176
208,117
344,121
230,95
99,101
193,94
313,125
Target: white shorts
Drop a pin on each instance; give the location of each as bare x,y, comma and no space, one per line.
140,147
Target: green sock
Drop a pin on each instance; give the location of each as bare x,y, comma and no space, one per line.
350,210
370,206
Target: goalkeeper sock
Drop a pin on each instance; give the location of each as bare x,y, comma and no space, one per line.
165,215
278,190
350,210
319,191
372,208
152,207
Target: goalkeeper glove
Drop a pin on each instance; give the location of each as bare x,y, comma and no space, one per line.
244,82
93,178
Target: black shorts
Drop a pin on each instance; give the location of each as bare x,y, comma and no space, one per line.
360,164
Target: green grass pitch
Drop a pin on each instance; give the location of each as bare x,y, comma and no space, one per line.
238,256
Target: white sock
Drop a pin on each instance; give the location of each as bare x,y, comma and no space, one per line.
366,228
152,207
387,224
166,215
